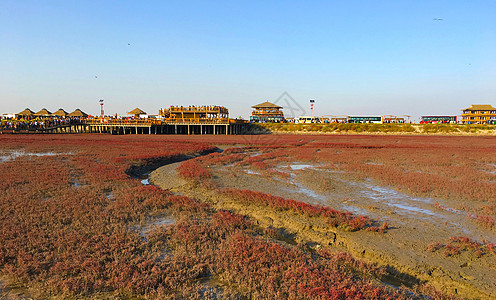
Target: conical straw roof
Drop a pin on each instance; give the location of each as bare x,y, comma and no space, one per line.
136,111
44,112
60,113
78,113
26,112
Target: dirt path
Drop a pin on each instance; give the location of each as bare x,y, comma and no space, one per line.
414,223
166,177
12,293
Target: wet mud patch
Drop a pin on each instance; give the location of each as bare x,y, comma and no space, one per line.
414,223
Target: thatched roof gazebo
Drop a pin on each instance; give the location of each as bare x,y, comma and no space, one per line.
43,113
78,113
26,112
136,112
60,113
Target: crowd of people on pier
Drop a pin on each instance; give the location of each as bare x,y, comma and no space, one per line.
37,123
198,108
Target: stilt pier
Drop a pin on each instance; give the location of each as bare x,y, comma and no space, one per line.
190,127
188,120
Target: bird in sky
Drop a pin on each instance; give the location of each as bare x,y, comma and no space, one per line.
437,19
128,44
96,76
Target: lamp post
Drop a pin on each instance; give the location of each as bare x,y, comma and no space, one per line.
101,108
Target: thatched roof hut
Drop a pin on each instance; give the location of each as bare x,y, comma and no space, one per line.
26,112
60,113
136,112
43,113
78,113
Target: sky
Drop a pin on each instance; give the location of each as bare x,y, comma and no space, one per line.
352,57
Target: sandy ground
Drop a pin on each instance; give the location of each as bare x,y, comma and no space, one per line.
414,223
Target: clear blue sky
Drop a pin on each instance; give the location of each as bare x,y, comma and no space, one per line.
352,57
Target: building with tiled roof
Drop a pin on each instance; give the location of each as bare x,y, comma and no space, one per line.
479,114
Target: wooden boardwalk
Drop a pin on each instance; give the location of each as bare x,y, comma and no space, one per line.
143,126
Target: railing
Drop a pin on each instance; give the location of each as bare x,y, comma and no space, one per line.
259,113
266,112
237,121
130,122
146,122
477,113
197,120
204,109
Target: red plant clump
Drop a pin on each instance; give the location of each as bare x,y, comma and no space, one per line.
264,160
459,244
193,170
222,158
486,221
249,263
333,217
381,229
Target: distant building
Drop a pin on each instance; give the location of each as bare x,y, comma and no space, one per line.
479,114
437,119
266,112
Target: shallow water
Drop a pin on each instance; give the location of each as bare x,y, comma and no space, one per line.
252,172
309,192
493,167
355,210
414,209
255,154
374,163
13,155
300,166
404,204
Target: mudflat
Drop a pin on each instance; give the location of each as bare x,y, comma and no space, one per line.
429,239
